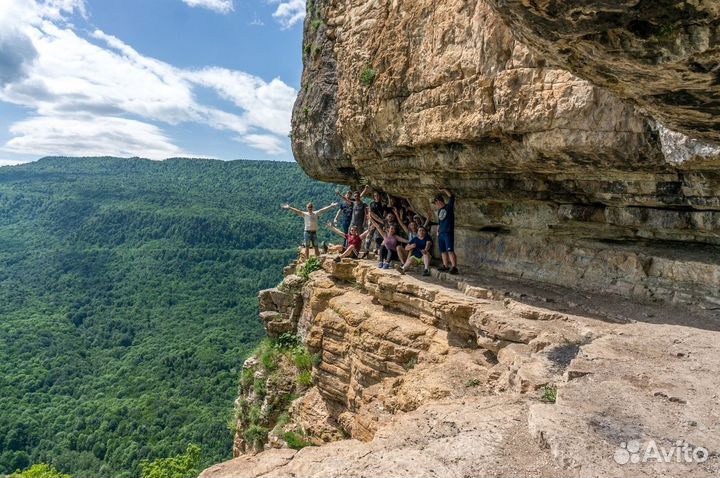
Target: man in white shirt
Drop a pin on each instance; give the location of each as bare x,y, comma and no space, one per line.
311,225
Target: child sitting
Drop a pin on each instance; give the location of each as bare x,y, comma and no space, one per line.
419,249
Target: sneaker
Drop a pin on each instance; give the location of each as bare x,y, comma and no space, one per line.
426,272
401,270
337,259
364,255
381,265
454,271
386,266
443,268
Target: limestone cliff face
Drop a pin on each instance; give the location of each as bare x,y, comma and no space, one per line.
484,376
663,55
558,178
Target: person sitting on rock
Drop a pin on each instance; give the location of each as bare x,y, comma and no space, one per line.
446,231
411,231
390,244
419,248
311,225
353,239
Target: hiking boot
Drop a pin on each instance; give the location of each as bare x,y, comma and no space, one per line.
454,271
426,272
364,255
443,268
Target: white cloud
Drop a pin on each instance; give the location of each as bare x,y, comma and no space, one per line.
219,6
266,142
105,136
288,13
267,105
65,77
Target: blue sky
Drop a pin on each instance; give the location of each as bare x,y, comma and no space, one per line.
150,78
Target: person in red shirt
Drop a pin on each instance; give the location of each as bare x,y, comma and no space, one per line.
354,240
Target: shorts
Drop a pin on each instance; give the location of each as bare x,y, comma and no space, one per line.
446,241
417,260
310,238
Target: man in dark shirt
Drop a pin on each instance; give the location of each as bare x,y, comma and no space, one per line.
358,211
446,231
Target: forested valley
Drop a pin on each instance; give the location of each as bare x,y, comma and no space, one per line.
128,303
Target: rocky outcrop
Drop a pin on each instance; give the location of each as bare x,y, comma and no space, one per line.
488,375
559,179
662,55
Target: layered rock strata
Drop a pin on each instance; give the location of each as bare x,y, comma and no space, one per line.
491,375
558,179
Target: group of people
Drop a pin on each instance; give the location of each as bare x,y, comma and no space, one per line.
389,227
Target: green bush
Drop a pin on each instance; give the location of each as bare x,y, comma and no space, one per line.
180,466
269,356
311,265
283,420
247,377
256,435
296,441
40,470
305,378
260,388
549,394
367,77
302,358
315,24
288,340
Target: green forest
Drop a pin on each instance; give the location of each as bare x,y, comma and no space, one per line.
128,303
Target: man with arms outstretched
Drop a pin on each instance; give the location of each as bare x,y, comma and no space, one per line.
311,225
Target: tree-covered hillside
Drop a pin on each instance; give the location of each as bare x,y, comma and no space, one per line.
128,303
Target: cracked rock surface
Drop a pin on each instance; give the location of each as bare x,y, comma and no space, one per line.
448,376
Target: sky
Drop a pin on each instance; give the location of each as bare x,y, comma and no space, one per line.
148,78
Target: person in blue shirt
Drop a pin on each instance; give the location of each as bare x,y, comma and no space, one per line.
344,213
446,231
419,252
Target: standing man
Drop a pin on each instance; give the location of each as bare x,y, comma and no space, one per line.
446,231
311,225
359,214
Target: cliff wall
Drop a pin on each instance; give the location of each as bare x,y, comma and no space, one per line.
558,179
475,377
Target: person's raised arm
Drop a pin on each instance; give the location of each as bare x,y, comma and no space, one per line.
378,226
347,201
337,216
326,209
450,195
403,225
292,209
335,229
365,190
